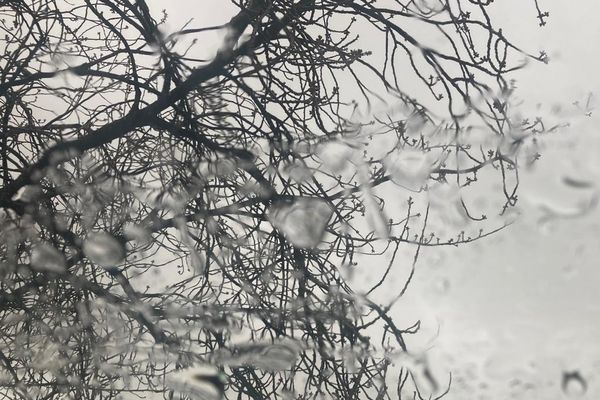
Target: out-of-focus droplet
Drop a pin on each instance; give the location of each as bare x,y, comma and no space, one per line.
197,261
277,357
297,171
271,357
479,136
351,360
573,384
28,193
250,188
137,233
335,155
442,285
446,203
375,215
420,370
582,207
59,156
103,249
48,358
302,221
222,167
577,183
408,168
431,5
45,257
204,382
347,271
174,200
212,225
106,188
415,122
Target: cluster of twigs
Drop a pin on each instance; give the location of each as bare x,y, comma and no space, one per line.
110,125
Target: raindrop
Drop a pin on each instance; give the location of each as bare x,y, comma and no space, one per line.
276,357
222,167
408,168
297,171
551,212
573,384
375,215
197,261
204,382
174,200
270,357
28,193
45,257
59,156
421,371
137,233
416,123
254,189
351,360
302,221
577,183
446,201
430,6
103,249
442,285
335,155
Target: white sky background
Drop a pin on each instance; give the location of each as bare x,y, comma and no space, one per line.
516,310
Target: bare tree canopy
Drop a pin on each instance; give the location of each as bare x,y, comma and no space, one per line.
175,224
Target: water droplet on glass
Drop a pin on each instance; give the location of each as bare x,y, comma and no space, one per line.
197,262
416,123
302,221
297,171
276,357
60,156
103,249
174,200
421,371
222,167
573,384
204,382
28,193
271,357
446,203
45,257
552,212
375,215
137,233
408,168
442,285
577,183
335,155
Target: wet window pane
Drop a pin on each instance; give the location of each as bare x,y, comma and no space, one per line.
275,199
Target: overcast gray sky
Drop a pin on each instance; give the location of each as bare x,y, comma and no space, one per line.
525,304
